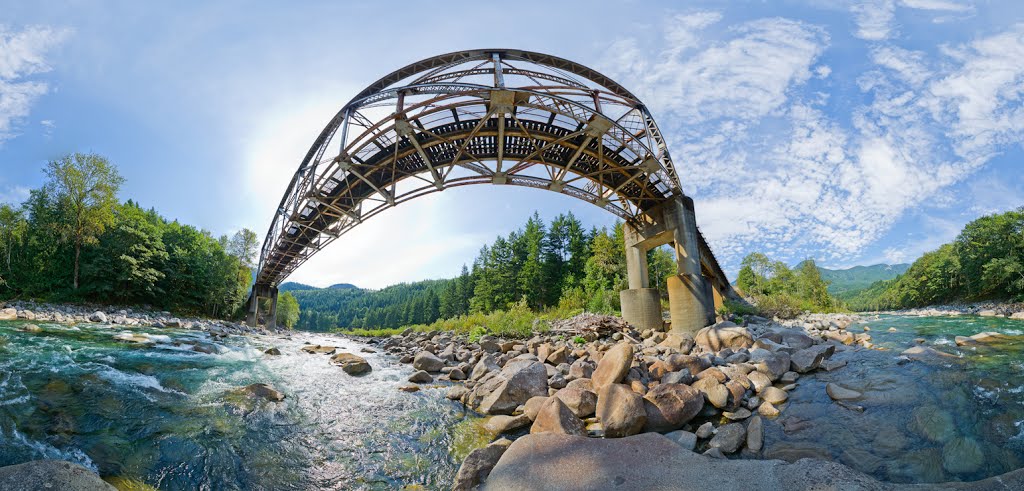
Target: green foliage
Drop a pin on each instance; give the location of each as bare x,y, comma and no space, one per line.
780,291
287,310
986,261
579,340
476,333
735,307
123,253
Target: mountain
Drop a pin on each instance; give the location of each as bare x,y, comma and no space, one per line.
343,286
292,286
846,282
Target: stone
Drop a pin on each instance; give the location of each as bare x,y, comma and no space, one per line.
840,393
31,328
555,417
263,391
729,438
486,364
273,352
558,356
962,455
830,365
680,377
620,410
8,314
581,402
421,377
933,423
457,392
351,364
681,342
925,353
755,434
759,381
724,335
478,464
98,317
706,430
516,383
488,344
614,365
456,374
713,391
670,406
988,313
581,369
737,415
502,423
683,438
774,395
771,364
51,474
533,405
557,381
316,349
808,359
768,410
428,362
409,388
1017,315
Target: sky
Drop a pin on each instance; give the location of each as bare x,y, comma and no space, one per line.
853,132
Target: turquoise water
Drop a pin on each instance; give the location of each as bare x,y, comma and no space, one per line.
164,415
943,419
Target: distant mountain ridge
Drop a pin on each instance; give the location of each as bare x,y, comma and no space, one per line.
845,282
292,286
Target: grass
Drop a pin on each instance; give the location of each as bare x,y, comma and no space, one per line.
517,322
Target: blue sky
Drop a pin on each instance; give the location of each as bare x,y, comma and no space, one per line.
854,132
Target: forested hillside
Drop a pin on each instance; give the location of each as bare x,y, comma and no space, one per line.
73,240
780,291
556,265
985,262
844,283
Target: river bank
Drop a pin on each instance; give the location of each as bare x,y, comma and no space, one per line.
1012,310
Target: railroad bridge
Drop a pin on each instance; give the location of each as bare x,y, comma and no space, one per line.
503,117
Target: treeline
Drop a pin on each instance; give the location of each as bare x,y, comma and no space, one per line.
984,262
560,265
73,240
780,291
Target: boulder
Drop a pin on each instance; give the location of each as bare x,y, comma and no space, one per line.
768,410
670,406
729,438
755,434
31,328
483,367
808,359
428,362
533,405
421,377
580,401
263,391
677,341
925,353
840,393
51,474
478,465
933,423
1017,315
620,410
502,424
515,384
351,364
273,352
774,395
962,455
614,365
724,335
316,349
683,438
555,417
769,363
713,391
8,314
98,317
581,369
457,392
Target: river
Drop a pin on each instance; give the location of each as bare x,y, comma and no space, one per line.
164,415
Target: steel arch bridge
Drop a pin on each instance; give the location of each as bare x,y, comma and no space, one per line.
491,116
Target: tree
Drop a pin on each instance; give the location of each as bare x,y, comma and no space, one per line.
12,232
287,310
85,186
245,246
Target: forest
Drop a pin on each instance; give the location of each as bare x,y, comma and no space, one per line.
779,291
546,266
984,262
72,240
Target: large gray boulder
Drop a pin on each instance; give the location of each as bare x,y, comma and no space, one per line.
670,406
478,465
724,335
620,410
427,362
50,474
614,365
515,384
8,314
556,417
809,359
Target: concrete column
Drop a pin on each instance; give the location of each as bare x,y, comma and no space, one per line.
641,307
272,320
636,258
254,304
687,293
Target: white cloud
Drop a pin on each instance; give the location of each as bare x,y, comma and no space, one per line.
936,5
22,55
14,194
773,167
874,19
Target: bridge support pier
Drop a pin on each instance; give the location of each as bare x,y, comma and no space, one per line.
692,297
253,316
